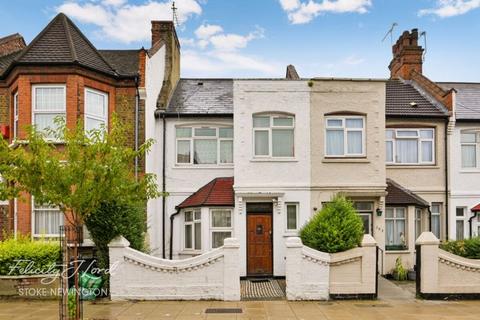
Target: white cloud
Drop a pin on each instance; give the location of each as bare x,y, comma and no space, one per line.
126,22
300,11
450,8
353,60
232,42
205,31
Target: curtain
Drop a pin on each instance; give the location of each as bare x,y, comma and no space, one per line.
198,236
188,236
389,232
291,217
226,151
183,151
389,149
407,151
221,219
436,225
469,159
400,232
49,98
95,104
335,142
282,142
261,143
205,151
218,237
459,230
427,151
47,221
354,142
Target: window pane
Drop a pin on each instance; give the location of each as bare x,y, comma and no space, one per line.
261,143
460,232
183,151
389,212
91,124
95,104
363,206
407,151
436,225
354,123
188,216
44,121
469,157
219,237
335,142
400,232
49,99
389,134
261,122
205,151
435,208
407,133
282,143
288,122
291,217
427,151
460,212
366,223
198,236
198,215
468,137
221,219
426,134
188,236
389,150
334,122
184,132
400,213
354,142
389,234
47,221
226,133
205,132
226,151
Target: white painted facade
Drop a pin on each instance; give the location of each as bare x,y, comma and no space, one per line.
271,179
464,187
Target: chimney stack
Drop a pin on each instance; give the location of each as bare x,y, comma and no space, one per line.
11,44
407,56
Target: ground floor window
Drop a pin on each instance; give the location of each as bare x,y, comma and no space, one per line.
220,226
418,222
460,223
292,216
436,210
46,221
193,230
365,211
395,222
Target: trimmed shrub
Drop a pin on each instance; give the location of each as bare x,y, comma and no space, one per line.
337,227
22,256
468,248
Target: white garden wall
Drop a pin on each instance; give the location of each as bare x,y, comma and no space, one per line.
210,276
315,275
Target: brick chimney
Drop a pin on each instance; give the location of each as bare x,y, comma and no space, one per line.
11,44
407,56
163,33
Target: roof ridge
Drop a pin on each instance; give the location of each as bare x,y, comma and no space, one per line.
437,104
10,36
211,189
73,51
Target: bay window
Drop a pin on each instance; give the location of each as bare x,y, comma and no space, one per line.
469,143
48,103
273,136
410,146
345,136
192,230
436,210
292,216
46,221
220,226
96,110
395,224
204,145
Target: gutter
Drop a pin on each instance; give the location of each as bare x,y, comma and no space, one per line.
171,232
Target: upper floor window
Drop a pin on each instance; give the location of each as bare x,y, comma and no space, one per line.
15,116
410,146
204,145
345,136
49,102
96,109
470,141
273,136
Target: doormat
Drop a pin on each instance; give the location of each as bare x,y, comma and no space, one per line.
267,289
223,310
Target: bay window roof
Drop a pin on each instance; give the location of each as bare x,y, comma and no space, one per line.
398,195
216,193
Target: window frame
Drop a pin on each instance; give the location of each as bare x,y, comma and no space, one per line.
192,223
56,111
192,139
418,222
270,130
345,130
94,117
439,214
365,212
297,211
394,247
419,140
219,229
15,115
51,209
462,219
476,144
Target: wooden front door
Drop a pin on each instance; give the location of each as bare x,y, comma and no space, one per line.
259,245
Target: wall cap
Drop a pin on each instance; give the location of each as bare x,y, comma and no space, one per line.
231,243
294,242
368,241
119,242
427,238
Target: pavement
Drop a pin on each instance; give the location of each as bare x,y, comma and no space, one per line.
396,301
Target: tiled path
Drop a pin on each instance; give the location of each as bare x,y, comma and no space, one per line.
262,289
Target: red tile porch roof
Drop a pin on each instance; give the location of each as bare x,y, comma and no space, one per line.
218,192
476,208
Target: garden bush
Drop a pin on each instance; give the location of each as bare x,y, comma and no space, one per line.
468,248
22,256
337,227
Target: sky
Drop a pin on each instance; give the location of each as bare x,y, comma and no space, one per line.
259,38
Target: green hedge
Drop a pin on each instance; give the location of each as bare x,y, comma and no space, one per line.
469,248
27,257
337,227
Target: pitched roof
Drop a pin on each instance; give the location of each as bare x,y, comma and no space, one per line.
467,99
398,195
476,208
202,96
124,62
218,192
403,98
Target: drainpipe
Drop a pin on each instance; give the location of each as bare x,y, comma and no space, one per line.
446,181
429,219
164,183
137,97
470,222
171,232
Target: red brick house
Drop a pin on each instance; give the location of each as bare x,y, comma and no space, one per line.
61,73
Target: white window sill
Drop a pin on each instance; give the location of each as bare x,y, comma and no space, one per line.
470,170
412,166
273,160
346,160
398,251
190,252
290,233
215,167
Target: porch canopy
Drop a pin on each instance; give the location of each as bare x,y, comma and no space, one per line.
218,192
398,195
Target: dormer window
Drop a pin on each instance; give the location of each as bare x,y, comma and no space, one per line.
273,136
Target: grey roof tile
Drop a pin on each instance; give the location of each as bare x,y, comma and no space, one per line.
467,99
399,98
202,96
398,195
125,62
